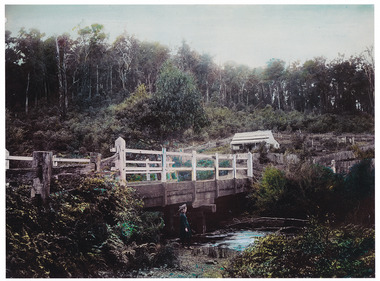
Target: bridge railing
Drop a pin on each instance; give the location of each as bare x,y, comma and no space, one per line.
56,159
167,163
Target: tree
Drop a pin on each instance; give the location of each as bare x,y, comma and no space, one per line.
151,57
30,51
89,49
186,59
63,48
177,103
274,76
126,49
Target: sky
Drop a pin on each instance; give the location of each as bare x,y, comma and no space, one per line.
249,34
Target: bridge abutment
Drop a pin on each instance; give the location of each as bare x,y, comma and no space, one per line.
203,199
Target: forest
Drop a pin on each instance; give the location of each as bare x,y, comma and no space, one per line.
77,94
57,88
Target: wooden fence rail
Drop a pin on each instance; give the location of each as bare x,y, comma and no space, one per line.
165,167
44,165
162,163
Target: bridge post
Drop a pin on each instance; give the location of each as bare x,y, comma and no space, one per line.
6,159
96,158
43,163
164,194
55,162
234,166
250,165
216,166
194,166
163,172
120,162
147,169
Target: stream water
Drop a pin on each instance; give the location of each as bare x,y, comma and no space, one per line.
237,240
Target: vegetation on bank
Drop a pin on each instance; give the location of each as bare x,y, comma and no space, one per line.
320,252
92,227
97,131
339,241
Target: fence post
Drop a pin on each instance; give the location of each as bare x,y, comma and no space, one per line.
96,158
43,164
250,165
163,164
234,166
147,169
55,163
120,162
194,166
216,166
6,159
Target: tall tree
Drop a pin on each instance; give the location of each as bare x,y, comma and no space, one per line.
30,50
150,59
177,102
126,49
274,76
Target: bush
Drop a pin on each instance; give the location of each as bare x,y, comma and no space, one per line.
320,252
314,190
91,227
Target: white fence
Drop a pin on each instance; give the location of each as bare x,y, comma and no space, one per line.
164,163
56,159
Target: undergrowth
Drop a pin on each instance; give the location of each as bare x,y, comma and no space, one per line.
96,226
320,252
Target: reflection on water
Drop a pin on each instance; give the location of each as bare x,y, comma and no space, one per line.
237,240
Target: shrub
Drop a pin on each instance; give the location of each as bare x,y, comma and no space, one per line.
319,252
91,226
314,190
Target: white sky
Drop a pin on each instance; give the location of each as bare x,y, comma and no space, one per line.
248,34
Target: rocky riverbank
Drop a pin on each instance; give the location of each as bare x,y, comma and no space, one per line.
197,262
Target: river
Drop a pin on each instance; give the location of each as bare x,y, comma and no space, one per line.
237,240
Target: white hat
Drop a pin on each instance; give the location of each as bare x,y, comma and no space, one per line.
182,207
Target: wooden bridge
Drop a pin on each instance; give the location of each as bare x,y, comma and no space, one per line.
169,178
162,178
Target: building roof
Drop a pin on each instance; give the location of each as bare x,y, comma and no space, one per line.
253,137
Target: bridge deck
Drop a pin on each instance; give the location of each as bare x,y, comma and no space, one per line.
198,193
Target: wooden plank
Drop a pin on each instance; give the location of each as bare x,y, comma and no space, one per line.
19,158
143,169
174,153
143,162
179,169
72,160
142,151
229,157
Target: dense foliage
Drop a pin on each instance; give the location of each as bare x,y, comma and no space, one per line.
313,190
319,252
93,227
88,71
339,240
80,94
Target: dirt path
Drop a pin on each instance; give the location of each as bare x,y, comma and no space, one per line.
192,263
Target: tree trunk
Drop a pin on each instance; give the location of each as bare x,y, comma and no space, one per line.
61,93
97,80
207,93
111,80
65,84
27,96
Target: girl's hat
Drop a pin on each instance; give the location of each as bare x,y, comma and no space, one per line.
182,207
